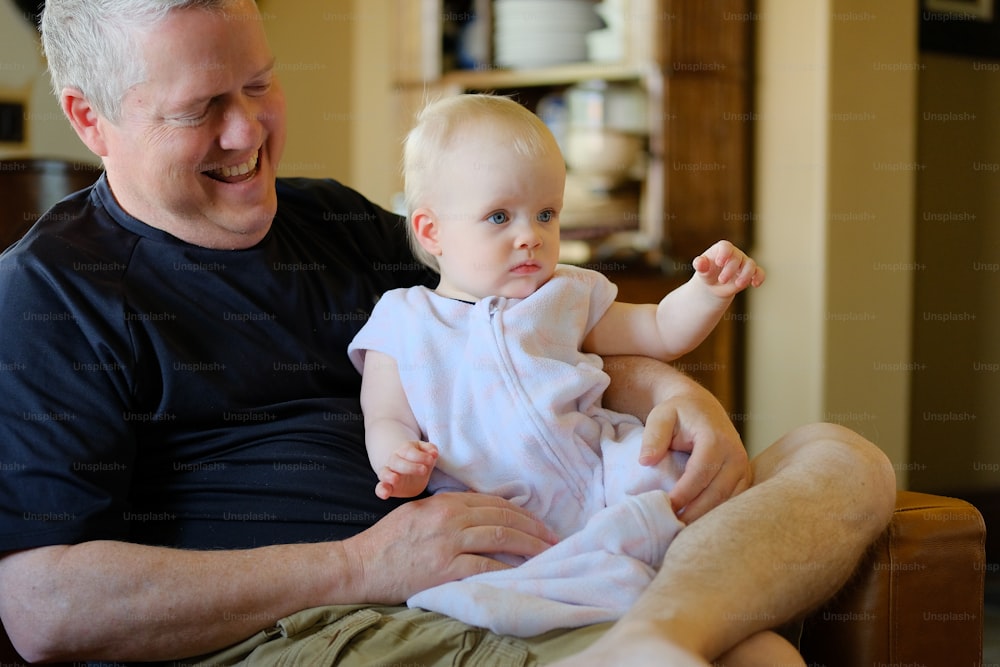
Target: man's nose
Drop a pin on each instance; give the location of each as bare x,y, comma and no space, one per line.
241,126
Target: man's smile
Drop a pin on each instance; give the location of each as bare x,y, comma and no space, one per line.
235,173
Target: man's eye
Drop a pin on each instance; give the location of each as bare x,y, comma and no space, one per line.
545,216
497,218
193,118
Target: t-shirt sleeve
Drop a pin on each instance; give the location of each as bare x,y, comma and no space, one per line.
66,454
375,233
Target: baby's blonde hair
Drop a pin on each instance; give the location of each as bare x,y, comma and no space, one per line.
441,122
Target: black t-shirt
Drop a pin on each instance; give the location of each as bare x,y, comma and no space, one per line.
163,393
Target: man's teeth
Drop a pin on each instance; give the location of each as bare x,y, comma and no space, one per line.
237,170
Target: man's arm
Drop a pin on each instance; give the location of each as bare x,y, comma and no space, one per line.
681,415
169,603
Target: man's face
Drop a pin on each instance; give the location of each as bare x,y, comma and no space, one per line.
197,148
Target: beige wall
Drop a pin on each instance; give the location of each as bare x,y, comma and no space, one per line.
334,59
313,43
829,335
785,345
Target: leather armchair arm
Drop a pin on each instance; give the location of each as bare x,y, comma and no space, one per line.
917,599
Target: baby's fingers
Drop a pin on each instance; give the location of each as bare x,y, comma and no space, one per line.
420,453
386,485
428,448
721,252
735,268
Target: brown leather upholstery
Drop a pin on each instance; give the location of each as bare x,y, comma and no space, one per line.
916,600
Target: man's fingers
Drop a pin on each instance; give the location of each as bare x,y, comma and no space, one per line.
473,564
490,528
709,485
485,540
690,486
495,525
657,435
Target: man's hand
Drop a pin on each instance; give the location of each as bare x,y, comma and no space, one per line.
442,538
718,468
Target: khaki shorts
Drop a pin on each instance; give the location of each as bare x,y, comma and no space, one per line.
367,636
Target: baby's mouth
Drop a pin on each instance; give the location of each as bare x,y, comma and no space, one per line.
236,173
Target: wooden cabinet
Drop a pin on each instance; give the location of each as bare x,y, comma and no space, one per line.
692,60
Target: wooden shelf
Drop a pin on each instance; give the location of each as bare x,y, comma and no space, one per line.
561,75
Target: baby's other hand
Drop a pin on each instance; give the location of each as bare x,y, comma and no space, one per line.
727,270
408,471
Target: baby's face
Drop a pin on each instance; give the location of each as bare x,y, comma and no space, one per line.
497,219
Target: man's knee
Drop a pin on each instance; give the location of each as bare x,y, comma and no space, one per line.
840,461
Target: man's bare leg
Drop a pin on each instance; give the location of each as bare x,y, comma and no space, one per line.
821,495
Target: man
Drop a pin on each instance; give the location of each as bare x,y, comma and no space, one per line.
184,465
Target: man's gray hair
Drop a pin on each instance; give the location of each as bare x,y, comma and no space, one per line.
95,45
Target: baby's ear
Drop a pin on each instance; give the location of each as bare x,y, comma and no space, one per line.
425,228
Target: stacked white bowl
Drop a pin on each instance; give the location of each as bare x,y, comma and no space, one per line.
540,33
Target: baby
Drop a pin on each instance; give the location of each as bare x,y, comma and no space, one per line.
492,382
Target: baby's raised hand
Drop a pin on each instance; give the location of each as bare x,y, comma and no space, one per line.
408,471
727,270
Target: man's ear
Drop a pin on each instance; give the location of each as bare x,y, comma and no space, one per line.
425,228
86,122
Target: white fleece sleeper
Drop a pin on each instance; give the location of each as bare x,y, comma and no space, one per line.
501,387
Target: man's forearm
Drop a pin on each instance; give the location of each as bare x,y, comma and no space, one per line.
121,601
640,383
124,601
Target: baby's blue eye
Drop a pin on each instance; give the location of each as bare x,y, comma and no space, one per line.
497,218
545,216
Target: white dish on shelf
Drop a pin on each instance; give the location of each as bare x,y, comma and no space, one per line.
553,42
522,51
541,33
521,20
605,46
